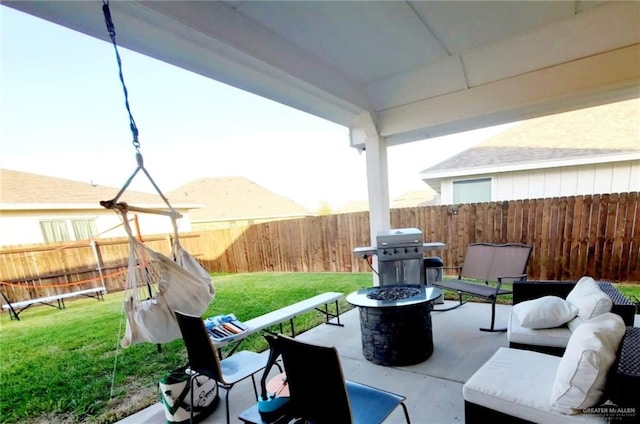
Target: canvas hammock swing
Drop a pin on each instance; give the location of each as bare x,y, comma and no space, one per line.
156,285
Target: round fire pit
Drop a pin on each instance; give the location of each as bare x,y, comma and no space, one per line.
395,323
393,293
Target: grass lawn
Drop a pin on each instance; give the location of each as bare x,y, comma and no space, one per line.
66,366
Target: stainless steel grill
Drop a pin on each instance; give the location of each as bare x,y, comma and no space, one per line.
400,256
400,244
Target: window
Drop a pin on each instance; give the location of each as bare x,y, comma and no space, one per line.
68,229
53,231
472,191
84,229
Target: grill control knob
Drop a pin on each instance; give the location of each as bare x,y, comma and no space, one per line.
415,249
405,250
395,251
384,252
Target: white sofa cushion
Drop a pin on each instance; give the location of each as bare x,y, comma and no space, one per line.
574,323
544,312
554,337
518,383
589,299
581,375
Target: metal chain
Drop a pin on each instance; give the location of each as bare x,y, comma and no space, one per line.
112,35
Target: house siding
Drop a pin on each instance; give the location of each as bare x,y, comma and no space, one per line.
23,227
617,177
26,199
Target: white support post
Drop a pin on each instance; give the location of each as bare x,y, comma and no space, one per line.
378,187
377,179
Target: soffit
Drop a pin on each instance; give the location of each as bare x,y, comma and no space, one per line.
411,69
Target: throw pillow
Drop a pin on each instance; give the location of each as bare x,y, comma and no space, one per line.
582,372
590,300
544,312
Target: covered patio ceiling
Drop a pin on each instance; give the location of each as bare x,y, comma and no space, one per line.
391,71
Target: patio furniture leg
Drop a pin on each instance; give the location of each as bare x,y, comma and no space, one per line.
452,307
12,312
406,412
493,320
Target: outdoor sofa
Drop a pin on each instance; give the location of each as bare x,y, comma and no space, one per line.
596,378
522,386
554,340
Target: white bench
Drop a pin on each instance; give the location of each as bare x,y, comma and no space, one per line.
16,307
288,313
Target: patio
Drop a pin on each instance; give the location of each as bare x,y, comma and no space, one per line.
433,388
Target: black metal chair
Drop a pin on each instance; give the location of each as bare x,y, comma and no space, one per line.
203,359
320,394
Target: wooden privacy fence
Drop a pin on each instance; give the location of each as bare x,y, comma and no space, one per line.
30,272
595,235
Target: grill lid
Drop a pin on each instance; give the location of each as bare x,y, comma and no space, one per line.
399,237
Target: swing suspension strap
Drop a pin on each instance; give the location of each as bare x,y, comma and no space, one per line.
112,34
113,203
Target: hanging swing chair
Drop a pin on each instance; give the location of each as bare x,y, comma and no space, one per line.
156,285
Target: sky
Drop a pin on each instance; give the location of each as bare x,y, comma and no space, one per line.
63,114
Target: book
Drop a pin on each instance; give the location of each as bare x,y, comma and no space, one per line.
224,327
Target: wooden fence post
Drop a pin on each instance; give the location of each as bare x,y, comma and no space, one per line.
96,254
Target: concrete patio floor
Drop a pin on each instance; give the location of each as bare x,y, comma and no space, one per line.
433,388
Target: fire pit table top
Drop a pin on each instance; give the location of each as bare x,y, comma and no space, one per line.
393,296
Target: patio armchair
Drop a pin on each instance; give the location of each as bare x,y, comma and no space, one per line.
320,394
203,358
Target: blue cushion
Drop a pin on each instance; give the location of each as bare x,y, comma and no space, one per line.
369,404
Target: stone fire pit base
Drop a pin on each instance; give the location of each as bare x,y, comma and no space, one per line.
398,335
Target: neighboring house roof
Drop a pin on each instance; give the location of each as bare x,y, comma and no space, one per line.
410,199
600,134
233,198
25,191
354,206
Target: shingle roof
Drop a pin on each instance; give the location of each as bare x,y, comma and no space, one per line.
26,188
412,199
228,198
354,206
409,199
598,131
